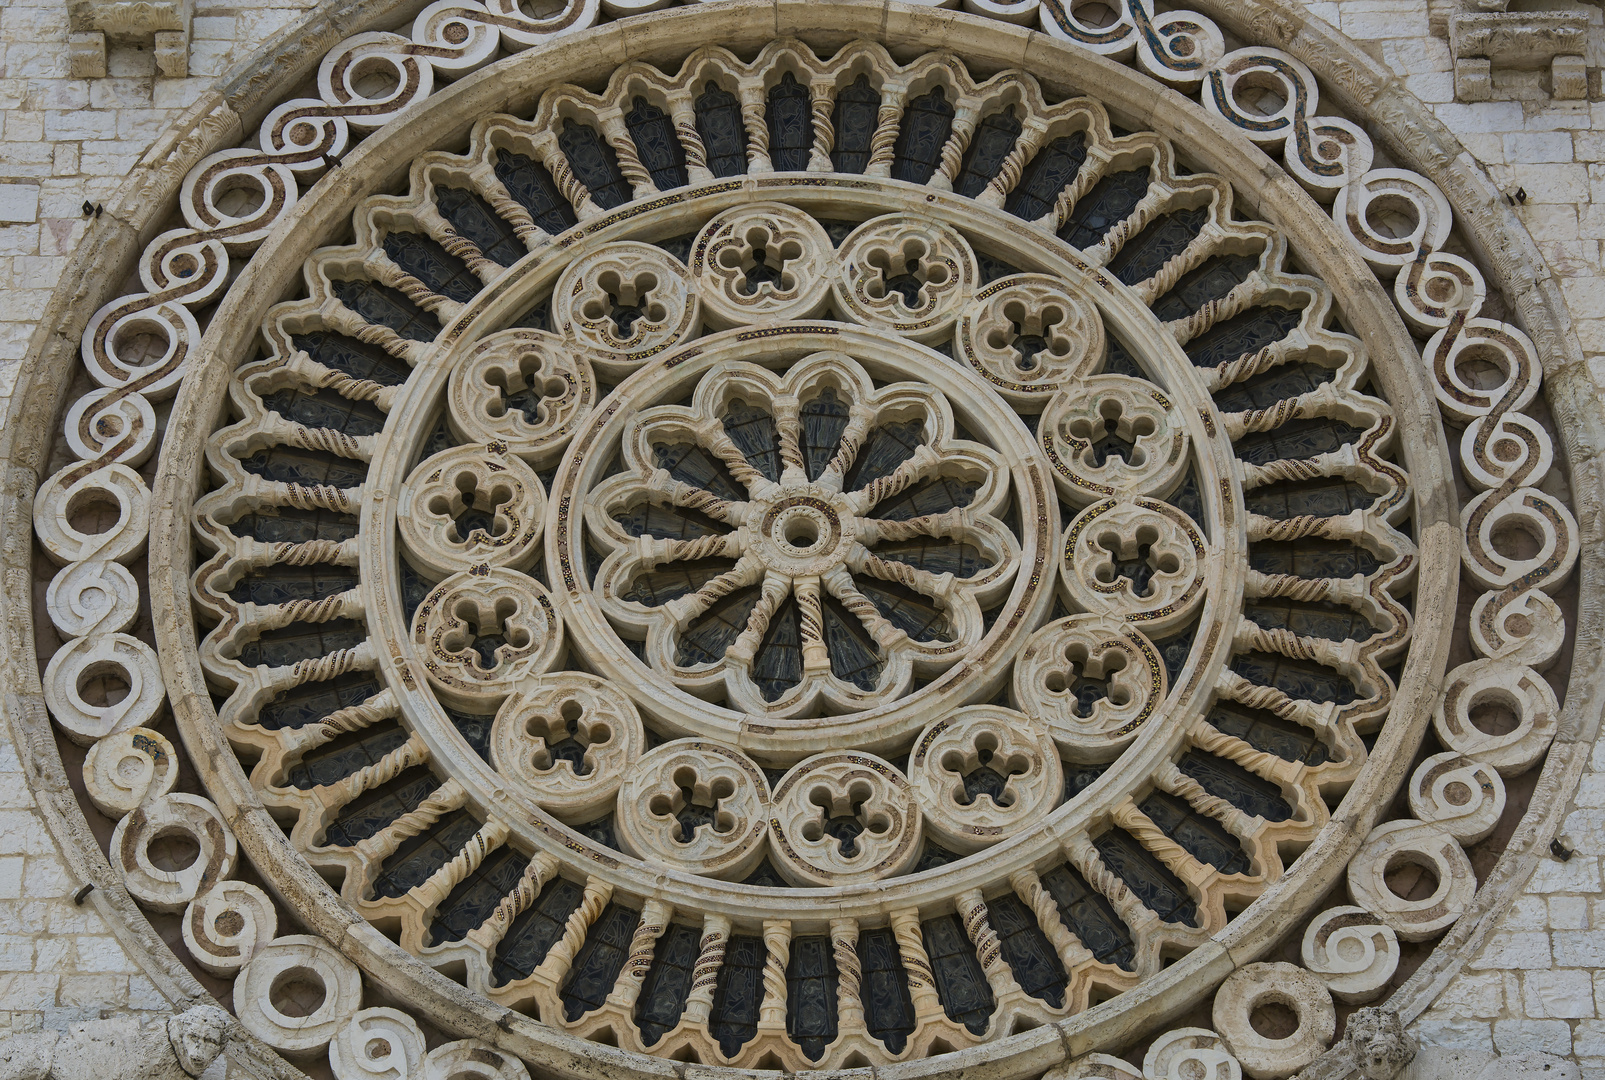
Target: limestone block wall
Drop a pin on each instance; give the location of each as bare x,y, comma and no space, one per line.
1538,984
64,142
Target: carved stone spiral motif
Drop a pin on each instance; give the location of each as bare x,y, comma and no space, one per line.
802,563
378,1043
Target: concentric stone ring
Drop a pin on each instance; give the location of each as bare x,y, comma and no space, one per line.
813,556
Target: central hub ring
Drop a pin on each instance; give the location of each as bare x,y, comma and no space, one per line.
801,534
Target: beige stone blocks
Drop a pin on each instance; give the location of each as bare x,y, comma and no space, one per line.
1517,41
87,55
172,53
1569,78
1474,80
161,25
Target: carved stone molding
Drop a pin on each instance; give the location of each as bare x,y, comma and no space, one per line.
162,24
1515,40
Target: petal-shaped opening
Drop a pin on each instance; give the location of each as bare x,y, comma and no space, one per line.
887,447
668,522
936,555
707,637
779,664
695,465
853,656
913,613
936,495
824,418
753,431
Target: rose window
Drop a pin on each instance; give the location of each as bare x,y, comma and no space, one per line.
835,561
830,539
816,562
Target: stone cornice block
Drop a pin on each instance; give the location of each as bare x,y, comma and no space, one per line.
163,24
1518,39
129,19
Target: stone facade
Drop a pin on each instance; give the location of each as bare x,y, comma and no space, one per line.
68,141
1531,970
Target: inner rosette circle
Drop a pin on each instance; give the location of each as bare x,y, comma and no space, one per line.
800,531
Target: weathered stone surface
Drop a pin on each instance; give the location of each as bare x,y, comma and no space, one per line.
1530,985
126,1047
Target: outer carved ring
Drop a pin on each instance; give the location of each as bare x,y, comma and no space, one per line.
1180,972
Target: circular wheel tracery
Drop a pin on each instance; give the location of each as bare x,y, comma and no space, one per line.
989,586
415,687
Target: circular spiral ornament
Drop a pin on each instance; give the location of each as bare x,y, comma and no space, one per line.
567,742
227,925
122,522
1251,988
1429,296
696,805
1389,197
378,1044
1464,796
984,774
125,769
97,596
296,994
1486,691
1508,509
171,849
1352,951
472,1059
841,818
81,679
1190,1054
1409,848
112,425
143,349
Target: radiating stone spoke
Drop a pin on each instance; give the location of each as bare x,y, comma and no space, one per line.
859,420
656,551
690,497
776,587
954,524
682,609
917,467
788,425
715,438
811,623
939,587
840,584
